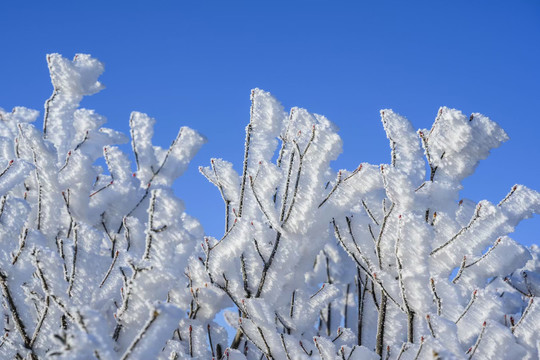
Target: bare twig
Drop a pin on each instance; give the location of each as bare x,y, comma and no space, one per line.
410,312
101,189
154,175
464,229
369,213
381,320
7,168
371,274
436,299
244,276
299,172
514,188
286,190
473,349
60,248
346,305
525,312
22,243
210,340
141,334
361,296
112,239
465,266
150,230
471,302
428,320
419,348
334,188
74,261
110,269
268,352
404,348
45,288
261,206
381,233
222,192
249,129
285,346
303,348
133,144
15,314
3,205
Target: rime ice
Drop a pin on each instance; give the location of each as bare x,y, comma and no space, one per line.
382,261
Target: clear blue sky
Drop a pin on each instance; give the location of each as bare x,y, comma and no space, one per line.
194,62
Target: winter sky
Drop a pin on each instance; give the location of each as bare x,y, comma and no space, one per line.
194,62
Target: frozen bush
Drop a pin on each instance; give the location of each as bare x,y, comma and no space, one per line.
384,261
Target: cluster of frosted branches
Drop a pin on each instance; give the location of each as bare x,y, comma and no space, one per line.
383,261
91,260
380,262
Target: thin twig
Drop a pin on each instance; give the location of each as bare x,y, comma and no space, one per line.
110,269
471,302
268,351
381,232
244,276
300,163
154,175
133,144
267,265
525,312
334,188
303,348
22,243
45,288
141,334
68,209
473,350
371,274
428,320
419,348
465,266
15,314
7,168
514,188
285,346
410,312
249,129
436,299
56,90
370,214
222,192
210,340
3,205
150,229
259,202
346,305
101,189
74,261
404,347
286,191
464,229
381,321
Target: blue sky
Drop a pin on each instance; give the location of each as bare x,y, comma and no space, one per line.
194,62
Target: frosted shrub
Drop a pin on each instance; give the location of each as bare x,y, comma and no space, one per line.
419,273
91,260
385,261
444,276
